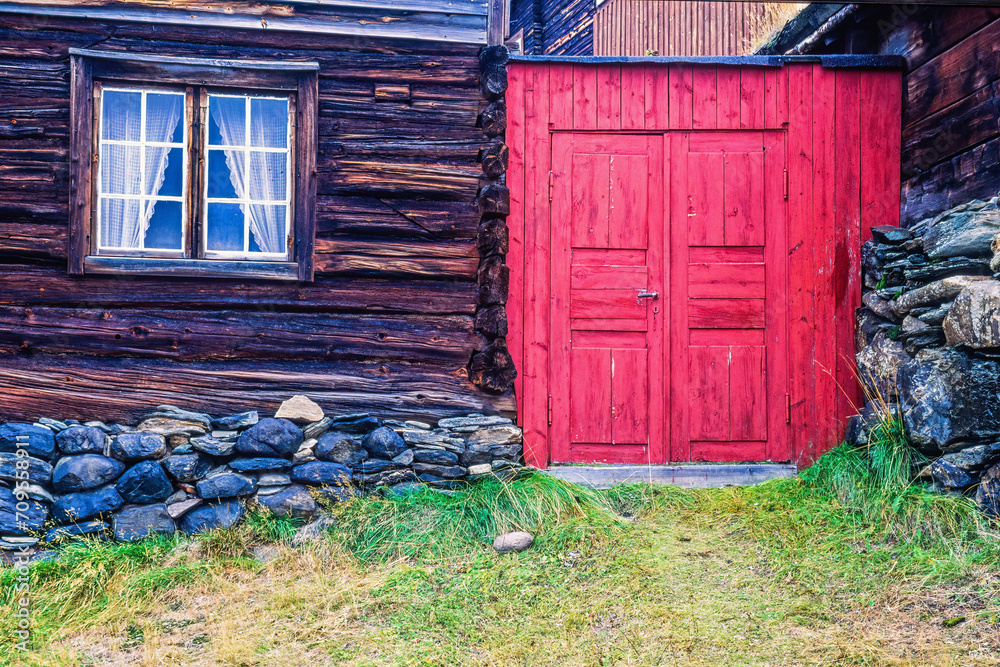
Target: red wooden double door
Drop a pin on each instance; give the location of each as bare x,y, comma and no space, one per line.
667,316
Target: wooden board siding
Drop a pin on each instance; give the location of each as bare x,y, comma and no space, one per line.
554,27
840,134
388,323
675,28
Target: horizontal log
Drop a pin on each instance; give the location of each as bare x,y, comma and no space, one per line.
33,240
929,31
122,390
34,284
396,217
971,175
185,335
424,268
430,112
347,176
441,151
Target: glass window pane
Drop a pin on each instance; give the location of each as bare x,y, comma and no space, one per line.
164,230
226,121
121,169
164,171
267,228
268,123
220,177
120,223
267,176
164,112
121,115
224,228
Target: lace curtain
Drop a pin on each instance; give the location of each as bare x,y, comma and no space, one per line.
265,180
126,170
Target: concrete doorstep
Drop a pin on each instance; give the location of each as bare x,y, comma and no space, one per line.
684,476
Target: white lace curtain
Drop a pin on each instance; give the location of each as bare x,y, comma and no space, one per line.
265,181
126,170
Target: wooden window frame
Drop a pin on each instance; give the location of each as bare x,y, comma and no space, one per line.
197,77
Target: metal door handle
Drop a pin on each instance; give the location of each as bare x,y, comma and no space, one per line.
648,295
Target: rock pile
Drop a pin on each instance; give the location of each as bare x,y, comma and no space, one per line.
189,471
928,339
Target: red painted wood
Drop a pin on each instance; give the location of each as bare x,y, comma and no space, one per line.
757,290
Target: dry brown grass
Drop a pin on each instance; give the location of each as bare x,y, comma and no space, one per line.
771,19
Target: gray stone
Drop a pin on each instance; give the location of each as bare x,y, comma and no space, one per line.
316,429
269,490
187,467
962,231
516,541
99,425
974,317
261,464
214,446
384,478
969,266
95,528
340,448
236,422
300,410
358,424
988,493
974,458
446,472
435,456
83,440
274,479
482,469
313,530
932,294
178,496
404,459
177,510
337,494
474,456
39,471
271,438
947,397
418,425
934,316
372,466
222,514
75,507
951,476
321,472
294,500
138,446
879,364
891,235
912,324
225,484
54,424
29,518
135,522
494,435
84,471
35,492
474,421
383,443
171,420
35,440
144,483
879,306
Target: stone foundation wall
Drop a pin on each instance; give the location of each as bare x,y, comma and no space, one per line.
189,471
928,342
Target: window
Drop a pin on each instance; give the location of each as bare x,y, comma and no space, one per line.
184,166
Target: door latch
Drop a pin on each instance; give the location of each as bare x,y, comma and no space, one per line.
648,295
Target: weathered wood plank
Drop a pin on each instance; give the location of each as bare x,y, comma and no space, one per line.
684,476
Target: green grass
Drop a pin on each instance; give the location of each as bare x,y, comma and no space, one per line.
851,563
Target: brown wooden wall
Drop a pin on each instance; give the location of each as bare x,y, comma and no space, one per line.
951,97
675,27
388,324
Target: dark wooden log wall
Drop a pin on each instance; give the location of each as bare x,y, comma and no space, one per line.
555,27
951,97
390,322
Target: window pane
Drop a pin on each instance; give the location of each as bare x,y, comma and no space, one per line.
164,171
227,121
267,227
120,223
164,230
267,176
225,227
121,115
268,123
220,177
121,169
163,117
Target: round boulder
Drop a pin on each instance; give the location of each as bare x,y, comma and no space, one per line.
226,484
186,467
144,483
384,443
14,521
222,514
75,507
294,500
84,471
39,471
338,447
322,472
82,440
270,437
35,440
138,446
263,464
516,541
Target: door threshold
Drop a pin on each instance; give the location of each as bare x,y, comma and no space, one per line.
695,476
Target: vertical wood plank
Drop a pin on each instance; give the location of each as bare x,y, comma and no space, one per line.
561,86
628,217
881,103
677,255
80,172
609,97
590,183
681,97
705,190
744,199
708,370
658,97
776,328
705,99
630,396
748,396
752,90
515,226
585,97
728,117
633,97
589,375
